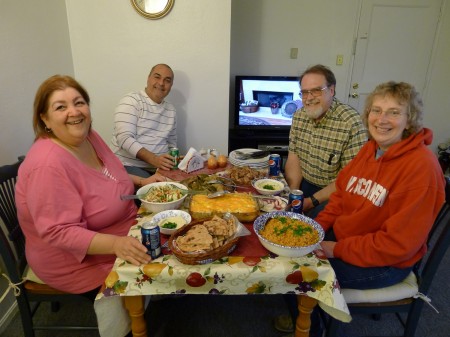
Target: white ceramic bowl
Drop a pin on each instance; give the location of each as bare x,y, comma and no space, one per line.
156,207
272,203
179,217
289,251
268,186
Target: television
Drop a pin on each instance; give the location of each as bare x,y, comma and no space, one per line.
265,102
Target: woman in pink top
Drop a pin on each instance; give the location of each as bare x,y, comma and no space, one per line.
68,191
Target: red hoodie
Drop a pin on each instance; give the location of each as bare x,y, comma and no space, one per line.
383,208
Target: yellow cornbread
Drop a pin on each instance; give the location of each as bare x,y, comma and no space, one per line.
241,205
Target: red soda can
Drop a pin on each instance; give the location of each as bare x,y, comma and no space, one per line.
274,165
296,201
151,239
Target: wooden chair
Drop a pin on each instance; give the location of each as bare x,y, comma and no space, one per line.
28,294
410,295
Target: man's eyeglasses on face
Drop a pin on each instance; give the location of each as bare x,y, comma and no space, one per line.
316,92
389,113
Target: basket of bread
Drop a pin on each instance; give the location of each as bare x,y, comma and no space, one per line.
206,240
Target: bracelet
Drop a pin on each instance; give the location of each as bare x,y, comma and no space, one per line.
315,202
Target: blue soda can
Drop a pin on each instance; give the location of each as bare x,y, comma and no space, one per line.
151,239
274,165
296,201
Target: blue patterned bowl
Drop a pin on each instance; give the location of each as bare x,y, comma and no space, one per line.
290,251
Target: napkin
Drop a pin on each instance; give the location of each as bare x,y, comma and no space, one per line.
192,161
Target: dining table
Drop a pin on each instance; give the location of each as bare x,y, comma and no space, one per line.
249,269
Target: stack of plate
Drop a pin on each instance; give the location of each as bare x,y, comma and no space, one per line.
256,163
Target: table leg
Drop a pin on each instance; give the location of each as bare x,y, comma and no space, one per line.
305,307
135,307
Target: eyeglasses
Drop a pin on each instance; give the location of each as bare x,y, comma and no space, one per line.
316,92
389,113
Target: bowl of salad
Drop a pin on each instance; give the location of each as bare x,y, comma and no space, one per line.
162,196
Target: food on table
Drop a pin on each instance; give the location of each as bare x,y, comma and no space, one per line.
166,193
222,161
244,175
208,235
172,222
201,182
272,204
242,205
212,162
288,231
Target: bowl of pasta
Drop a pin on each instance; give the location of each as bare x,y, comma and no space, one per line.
162,196
287,233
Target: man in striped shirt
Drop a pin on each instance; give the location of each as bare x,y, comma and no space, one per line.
145,126
325,135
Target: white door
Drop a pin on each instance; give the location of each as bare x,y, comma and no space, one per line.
394,42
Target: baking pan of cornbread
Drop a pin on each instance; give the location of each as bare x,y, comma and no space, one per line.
242,205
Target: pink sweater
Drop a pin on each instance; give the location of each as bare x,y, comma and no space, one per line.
62,204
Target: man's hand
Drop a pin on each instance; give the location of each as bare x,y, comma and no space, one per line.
163,162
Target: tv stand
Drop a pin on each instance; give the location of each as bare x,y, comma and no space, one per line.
275,141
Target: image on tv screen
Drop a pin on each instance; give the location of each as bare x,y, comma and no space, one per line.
267,101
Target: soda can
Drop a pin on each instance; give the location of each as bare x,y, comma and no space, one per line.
175,153
274,165
151,239
296,201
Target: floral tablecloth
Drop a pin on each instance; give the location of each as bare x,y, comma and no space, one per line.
250,269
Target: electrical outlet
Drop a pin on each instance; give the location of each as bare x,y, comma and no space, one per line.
294,53
339,60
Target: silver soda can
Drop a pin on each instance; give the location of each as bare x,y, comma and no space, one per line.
296,201
151,239
274,165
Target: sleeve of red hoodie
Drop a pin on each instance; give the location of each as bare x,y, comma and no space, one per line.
394,234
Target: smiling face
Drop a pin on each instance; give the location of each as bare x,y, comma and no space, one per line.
387,128
68,116
316,107
159,83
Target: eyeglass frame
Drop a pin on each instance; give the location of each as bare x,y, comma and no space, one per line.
318,91
391,114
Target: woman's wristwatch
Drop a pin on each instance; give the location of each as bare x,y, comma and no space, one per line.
314,201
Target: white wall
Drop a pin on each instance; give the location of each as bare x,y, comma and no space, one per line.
114,48
35,44
263,31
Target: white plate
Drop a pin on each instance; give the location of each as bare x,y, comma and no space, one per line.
258,161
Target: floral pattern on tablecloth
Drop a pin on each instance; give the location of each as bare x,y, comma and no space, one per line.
311,275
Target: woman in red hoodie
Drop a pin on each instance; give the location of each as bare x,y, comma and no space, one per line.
386,199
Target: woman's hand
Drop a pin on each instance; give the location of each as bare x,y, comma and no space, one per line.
153,179
328,248
131,250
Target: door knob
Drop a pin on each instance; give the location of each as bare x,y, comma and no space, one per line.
354,95
355,86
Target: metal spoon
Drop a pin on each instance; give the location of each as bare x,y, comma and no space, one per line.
217,194
225,184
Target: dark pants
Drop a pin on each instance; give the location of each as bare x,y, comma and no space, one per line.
351,277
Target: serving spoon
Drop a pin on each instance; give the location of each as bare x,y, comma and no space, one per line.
142,196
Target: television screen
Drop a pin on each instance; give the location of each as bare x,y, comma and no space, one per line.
266,102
